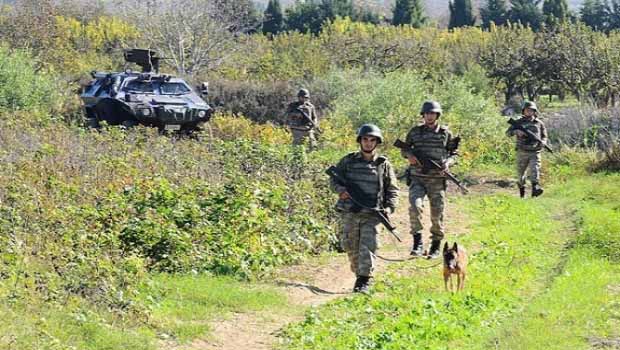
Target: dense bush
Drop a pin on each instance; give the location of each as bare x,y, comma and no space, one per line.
88,213
24,87
263,101
393,102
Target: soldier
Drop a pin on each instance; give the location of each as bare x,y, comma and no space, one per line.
302,119
434,142
529,150
375,177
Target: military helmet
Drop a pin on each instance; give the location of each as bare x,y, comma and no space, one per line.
529,104
303,93
431,107
369,130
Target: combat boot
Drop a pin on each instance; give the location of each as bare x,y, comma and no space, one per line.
434,252
418,248
522,191
362,284
536,189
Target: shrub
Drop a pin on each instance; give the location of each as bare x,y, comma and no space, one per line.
24,87
393,102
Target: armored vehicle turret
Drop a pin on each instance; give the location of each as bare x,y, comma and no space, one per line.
147,97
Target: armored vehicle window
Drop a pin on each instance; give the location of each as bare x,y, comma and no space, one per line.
139,86
173,88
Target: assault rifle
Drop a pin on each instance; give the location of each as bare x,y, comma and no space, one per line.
530,135
429,163
356,193
309,120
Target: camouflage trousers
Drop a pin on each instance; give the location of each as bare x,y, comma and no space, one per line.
435,189
359,240
527,160
301,137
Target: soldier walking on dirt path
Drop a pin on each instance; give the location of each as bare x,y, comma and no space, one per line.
528,149
374,176
302,119
428,141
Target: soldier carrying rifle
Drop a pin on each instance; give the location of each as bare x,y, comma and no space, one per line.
531,136
302,119
367,191
428,143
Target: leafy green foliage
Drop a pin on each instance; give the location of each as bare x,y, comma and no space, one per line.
409,12
461,14
494,11
555,11
23,87
526,12
273,19
393,103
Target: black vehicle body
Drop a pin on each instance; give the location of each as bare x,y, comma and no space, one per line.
148,98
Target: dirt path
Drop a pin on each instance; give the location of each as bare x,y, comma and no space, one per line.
317,282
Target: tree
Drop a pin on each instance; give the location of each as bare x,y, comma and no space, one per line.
273,19
526,12
505,58
594,13
555,11
311,15
495,11
613,15
194,35
409,12
418,18
461,14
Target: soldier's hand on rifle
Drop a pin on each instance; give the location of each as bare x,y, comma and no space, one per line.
413,160
444,168
344,195
520,133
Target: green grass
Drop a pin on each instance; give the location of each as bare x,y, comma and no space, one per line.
583,302
531,278
182,306
180,309
38,325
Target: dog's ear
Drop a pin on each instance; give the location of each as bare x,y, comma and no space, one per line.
445,247
455,247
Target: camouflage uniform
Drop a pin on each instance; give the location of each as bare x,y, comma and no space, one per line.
300,127
529,152
434,143
360,227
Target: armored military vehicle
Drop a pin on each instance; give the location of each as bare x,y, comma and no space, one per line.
147,97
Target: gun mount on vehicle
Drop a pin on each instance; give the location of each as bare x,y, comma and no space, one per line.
148,97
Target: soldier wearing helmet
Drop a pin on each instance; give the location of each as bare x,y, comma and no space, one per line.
375,177
434,142
529,150
302,120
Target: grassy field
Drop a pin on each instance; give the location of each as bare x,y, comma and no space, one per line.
180,310
541,272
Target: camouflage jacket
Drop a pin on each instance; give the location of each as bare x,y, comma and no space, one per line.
375,178
295,118
525,143
436,144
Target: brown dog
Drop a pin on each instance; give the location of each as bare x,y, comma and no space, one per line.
454,262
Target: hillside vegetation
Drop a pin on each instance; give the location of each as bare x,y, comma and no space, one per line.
119,238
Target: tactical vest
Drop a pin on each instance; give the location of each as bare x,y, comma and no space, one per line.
369,176
526,143
432,143
296,117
